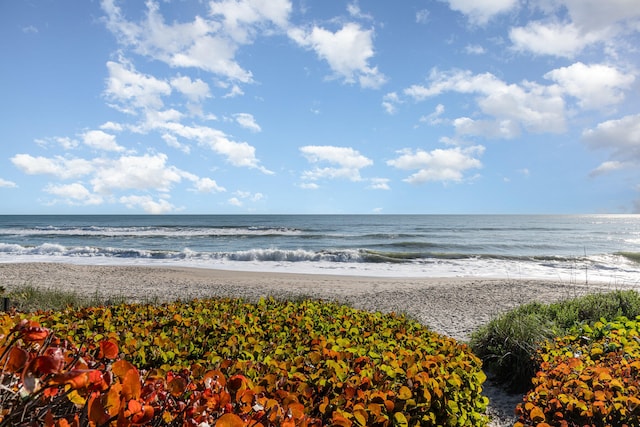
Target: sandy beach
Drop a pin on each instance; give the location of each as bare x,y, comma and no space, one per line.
452,306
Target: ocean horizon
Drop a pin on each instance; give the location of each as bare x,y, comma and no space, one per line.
566,248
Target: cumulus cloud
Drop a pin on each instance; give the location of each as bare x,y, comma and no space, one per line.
595,86
347,51
57,166
480,12
345,162
207,185
588,22
621,138
554,38
509,107
379,184
74,194
206,44
148,204
439,165
390,102
101,141
147,172
129,90
136,93
195,90
247,121
7,184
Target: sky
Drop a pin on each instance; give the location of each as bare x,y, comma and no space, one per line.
327,107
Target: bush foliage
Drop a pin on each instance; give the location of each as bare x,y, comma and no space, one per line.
229,363
588,378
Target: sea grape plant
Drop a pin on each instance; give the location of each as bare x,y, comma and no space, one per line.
588,378
228,363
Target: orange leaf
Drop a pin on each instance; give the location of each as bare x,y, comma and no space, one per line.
34,333
121,367
131,387
108,349
16,360
77,379
144,416
537,415
297,410
229,420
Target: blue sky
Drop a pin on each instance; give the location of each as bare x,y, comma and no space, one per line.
278,106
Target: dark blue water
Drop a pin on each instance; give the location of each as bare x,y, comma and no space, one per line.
606,247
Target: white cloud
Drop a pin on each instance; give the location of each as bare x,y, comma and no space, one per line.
621,137
194,90
7,184
608,167
247,121
594,15
101,141
595,86
148,172
234,201
206,44
309,186
207,185
147,203
379,184
74,194
131,90
355,11
446,165
242,18
347,160
390,102
588,22
480,12
347,51
422,16
554,38
509,107
112,126
435,117
58,166
474,49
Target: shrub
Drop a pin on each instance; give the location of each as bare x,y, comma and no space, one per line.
508,344
284,363
591,377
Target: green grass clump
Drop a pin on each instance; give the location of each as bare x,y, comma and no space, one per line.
508,344
28,299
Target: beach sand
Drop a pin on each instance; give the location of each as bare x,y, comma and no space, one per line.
451,306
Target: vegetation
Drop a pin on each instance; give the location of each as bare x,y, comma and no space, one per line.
231,363
590,377
508,344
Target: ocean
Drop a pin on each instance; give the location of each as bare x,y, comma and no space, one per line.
566,248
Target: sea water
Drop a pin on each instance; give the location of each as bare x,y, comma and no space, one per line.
567,248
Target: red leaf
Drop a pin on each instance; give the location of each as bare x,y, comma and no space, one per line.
43,365
108,349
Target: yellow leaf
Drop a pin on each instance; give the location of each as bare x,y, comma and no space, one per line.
400,419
